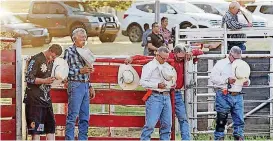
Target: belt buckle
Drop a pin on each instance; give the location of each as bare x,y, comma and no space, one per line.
166,93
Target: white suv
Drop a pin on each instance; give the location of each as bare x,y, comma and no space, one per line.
177,12
220,7
263,9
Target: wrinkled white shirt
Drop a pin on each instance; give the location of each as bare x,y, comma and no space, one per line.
220,73
151,76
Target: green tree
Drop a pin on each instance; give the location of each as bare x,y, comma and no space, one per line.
119,5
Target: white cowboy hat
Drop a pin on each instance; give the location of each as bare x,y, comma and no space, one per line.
87,56
241,71
169,74
128,78
60,70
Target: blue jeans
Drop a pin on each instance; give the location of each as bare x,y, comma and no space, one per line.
78,106
234,105
181,114
158,107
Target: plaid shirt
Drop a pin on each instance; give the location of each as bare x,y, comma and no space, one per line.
233,23
75,63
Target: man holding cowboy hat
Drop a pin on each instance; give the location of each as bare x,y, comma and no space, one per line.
79,90
228,76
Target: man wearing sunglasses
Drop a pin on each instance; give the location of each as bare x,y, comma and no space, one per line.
223,79
231,19
178,58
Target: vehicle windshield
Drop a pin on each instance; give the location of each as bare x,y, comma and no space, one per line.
187,8
9,19
80,7
75,6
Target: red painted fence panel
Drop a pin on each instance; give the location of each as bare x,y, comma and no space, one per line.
8,73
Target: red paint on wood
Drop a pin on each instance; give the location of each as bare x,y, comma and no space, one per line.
107,121
8,125
8,110
109,96
8,136
7,93
8,56
8,73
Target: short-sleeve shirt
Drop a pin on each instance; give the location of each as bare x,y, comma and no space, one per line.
38,94
157,40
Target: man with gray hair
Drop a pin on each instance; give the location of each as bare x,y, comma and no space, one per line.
79,87
179,57
223,79
158,105
231,19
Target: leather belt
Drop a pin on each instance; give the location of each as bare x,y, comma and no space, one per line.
81,81
164,93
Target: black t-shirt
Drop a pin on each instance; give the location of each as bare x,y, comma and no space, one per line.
157,40
38,94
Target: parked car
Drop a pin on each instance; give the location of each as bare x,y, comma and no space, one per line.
31,34
178,12
263,9
220,7
62,17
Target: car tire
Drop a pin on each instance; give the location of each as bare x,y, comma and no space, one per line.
135,33
107,38
74,27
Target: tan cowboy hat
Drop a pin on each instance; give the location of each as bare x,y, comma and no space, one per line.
169,74
241,71
128,78
87,56
60,70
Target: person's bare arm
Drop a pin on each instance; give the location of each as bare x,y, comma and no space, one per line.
151,47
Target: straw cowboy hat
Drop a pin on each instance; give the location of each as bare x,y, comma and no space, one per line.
60,70
87,56
128,78
241,71
169,74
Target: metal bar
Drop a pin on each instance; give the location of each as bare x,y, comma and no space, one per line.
195,100
212,131
19,97
211,97
271,91
205,94
206,113
245,101
251,72
252,87
203,77
176,34
157,11
201,39
220,56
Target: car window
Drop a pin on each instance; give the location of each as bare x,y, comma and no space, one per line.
164,8
149,8
55,8
39,8
78,7
208,8
267,9
251,8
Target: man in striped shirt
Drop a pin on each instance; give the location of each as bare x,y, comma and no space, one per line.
79,87
231,19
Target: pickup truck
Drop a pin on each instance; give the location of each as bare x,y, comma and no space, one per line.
62,17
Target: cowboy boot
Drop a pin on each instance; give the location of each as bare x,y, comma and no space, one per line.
238,138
